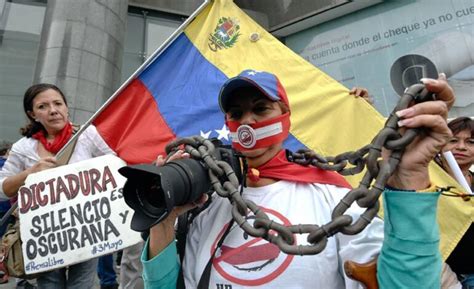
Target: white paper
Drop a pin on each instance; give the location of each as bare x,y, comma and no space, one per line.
453,165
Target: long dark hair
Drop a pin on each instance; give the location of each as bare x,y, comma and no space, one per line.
33,126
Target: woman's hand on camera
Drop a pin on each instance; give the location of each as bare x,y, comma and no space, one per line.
412,172
163,233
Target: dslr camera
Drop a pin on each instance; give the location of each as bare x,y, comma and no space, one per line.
153,191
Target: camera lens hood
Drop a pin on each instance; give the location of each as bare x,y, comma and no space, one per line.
145,215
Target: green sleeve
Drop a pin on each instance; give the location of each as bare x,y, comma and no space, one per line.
410,256
161,272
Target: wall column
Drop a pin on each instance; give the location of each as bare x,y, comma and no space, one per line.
81,51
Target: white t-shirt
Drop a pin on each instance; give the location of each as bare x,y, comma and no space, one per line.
246,262
24,153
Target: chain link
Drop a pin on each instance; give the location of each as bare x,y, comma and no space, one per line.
379,168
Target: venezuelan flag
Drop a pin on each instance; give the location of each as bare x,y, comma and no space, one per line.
178,91
176,96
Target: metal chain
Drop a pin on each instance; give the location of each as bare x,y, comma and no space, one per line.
379,168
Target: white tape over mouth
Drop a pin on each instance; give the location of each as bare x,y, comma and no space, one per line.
247,136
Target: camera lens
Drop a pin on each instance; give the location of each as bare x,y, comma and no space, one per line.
154,195
154,191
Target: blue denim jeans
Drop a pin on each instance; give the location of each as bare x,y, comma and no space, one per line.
467,281
105,270
77,276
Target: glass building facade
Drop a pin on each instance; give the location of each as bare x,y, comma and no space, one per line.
370,48
20,34
356,46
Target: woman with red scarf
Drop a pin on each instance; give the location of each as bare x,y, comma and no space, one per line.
219,254
47,131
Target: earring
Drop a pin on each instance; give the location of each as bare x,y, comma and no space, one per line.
37,120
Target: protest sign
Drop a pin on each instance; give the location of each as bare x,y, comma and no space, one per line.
73,213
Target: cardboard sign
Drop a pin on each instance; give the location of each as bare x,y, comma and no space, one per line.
74,213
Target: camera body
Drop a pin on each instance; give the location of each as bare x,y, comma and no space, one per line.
153,191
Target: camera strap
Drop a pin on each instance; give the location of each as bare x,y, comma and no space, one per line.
184,221
181,232
206,275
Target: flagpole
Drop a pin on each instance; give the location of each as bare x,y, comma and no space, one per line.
142,67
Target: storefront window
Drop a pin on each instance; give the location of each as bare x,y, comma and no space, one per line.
366,48
146,31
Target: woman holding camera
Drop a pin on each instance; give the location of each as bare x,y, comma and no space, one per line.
292,194
47,131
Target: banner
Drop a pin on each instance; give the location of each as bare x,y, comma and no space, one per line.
74,213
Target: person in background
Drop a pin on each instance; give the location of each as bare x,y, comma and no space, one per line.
305,195
461,144
131,267
362,93
47,131
4,149
4,205
118,259
106,272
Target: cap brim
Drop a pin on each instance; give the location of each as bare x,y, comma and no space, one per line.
235,84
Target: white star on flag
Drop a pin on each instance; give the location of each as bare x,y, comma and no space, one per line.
223,133
205,134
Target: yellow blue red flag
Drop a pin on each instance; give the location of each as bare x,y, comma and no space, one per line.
179,91
176,95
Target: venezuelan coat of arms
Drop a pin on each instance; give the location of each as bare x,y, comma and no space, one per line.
225,34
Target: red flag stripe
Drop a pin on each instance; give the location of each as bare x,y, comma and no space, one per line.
132,118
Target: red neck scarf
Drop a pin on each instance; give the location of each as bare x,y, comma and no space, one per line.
59,141
281,169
